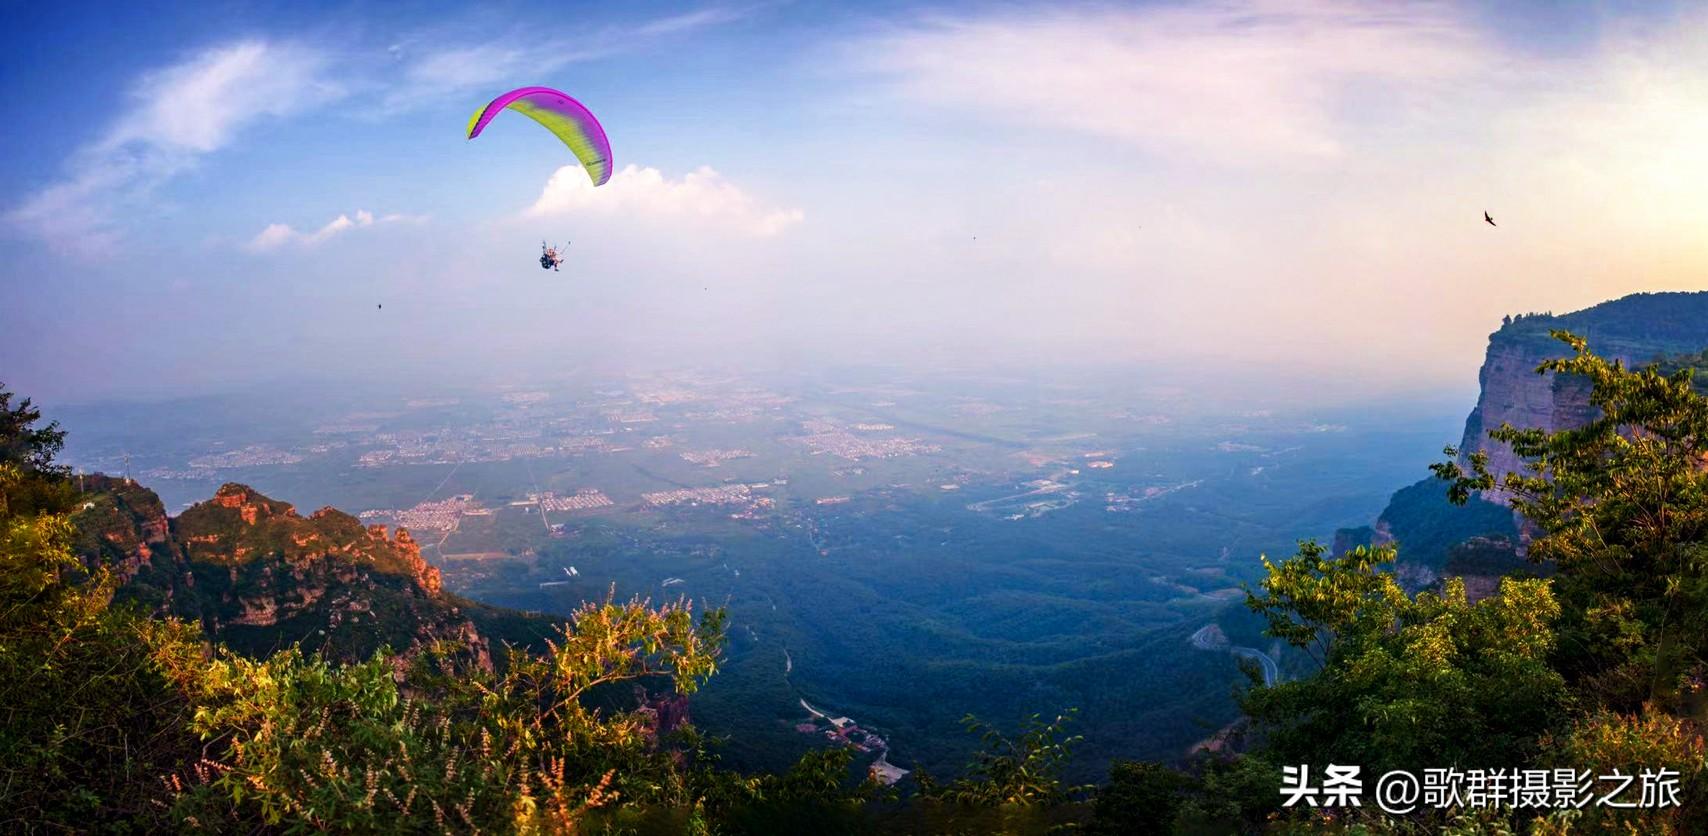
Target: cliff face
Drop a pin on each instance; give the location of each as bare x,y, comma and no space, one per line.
1636,329
239,524
1513,393
124,527
259,576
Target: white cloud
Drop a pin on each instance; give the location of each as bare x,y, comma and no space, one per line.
278,235
199,104
177,114
1249,81
273,237
690,21
174,116
1312,177
701,198
439,73
432,73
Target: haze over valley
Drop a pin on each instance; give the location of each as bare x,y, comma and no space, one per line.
900,550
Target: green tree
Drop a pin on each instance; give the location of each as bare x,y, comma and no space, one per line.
92,703
1620,507
345,747
814,796
24,444
1012,786
1405,681
1141,797
1022,771
1604,742
1235,795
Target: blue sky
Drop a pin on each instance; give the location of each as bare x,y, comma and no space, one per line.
200,196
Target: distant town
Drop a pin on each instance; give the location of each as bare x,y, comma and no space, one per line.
526,425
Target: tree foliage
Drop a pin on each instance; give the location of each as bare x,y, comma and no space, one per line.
1620,506
1141,797
90,716
344,747
1405,680
1600,666
1021,771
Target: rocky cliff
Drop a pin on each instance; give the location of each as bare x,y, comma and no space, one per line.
259,576
1636,329
125,527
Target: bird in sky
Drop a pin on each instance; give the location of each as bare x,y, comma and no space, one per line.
1486,217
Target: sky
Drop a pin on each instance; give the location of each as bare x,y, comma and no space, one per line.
203,196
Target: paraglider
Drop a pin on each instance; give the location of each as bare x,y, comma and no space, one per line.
570,121
566,118
550,257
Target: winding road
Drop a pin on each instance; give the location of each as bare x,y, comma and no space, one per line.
1211,637
1271,671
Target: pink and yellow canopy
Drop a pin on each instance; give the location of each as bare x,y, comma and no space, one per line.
565,117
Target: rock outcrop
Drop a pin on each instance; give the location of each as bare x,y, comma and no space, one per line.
1636,329
259,576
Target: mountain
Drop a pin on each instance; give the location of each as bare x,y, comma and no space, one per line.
1637,329
1435,536
259,576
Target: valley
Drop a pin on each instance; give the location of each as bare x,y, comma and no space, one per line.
869,559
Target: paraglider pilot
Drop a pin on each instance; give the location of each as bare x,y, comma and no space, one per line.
549,257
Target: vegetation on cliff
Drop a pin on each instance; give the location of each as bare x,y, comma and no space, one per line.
1599,666
1640,327
259,577
91,719
1671,328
